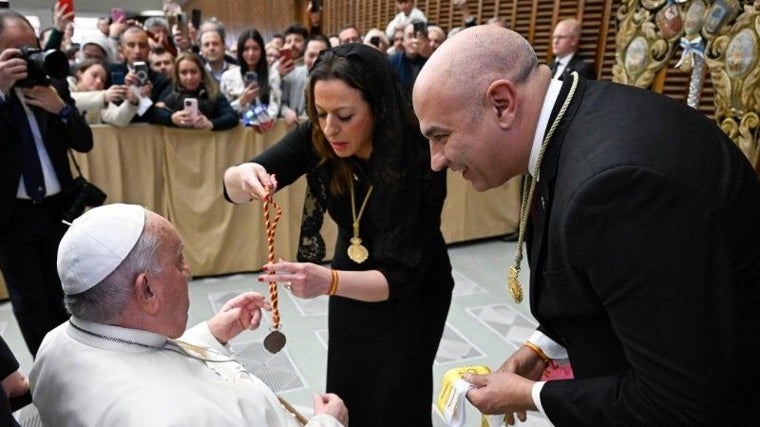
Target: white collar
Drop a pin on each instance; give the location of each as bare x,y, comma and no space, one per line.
564,60
552,93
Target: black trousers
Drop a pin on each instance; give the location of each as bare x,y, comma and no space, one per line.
28,252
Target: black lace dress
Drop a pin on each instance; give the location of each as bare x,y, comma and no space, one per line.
380,355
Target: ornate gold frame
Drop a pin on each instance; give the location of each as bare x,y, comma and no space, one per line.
734,61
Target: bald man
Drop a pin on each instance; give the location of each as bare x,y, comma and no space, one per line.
644,244
565,39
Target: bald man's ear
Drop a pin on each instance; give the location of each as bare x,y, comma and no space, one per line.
146,295
501,97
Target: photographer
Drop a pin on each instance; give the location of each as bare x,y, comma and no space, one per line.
39,123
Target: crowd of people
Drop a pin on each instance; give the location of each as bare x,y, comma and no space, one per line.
261,79
377,117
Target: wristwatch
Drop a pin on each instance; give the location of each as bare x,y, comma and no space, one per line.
65,112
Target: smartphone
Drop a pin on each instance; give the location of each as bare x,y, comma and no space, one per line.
117,78
118,14
316,5
182,24
191,106
251,77
285,53
195,18
420,27
141,71
68,6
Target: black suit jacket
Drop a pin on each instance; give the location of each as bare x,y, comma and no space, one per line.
584,69
645,264
58,137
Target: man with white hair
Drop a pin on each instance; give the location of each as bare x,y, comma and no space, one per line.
643,241
120,359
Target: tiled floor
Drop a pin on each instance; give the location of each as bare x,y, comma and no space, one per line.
484,326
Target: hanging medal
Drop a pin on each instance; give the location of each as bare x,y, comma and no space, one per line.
357,252
275,341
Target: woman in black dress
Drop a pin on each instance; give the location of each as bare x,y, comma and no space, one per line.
363,150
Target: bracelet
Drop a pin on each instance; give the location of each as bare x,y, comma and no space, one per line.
536,349
334,283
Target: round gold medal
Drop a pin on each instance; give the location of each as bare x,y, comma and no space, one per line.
357,252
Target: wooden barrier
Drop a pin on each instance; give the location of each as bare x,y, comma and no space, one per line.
177,173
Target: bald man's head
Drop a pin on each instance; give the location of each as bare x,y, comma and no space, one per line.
478,99
465,65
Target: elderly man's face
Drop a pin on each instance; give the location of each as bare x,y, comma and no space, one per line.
170,284
436,36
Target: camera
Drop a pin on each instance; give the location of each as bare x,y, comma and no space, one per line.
85,194
41,65
375,41
141,71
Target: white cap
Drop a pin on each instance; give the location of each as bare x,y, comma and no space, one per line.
96,243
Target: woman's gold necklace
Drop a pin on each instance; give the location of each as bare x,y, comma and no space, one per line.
357,252
529,187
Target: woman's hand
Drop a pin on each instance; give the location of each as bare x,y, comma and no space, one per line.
202,122
182,119
250,93
60,19
303,279
248,182
115,93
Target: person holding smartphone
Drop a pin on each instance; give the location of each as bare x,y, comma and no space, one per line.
252,83
294,74
142,81
63,19
97,104
409,61
207,107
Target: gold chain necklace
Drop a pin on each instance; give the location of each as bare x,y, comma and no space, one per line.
357,252
529,187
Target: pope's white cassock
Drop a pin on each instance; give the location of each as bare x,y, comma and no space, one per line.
124,377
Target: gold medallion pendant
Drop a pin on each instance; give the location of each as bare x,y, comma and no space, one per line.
357,252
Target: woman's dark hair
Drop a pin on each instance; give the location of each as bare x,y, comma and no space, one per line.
207,82
262,69
367,70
